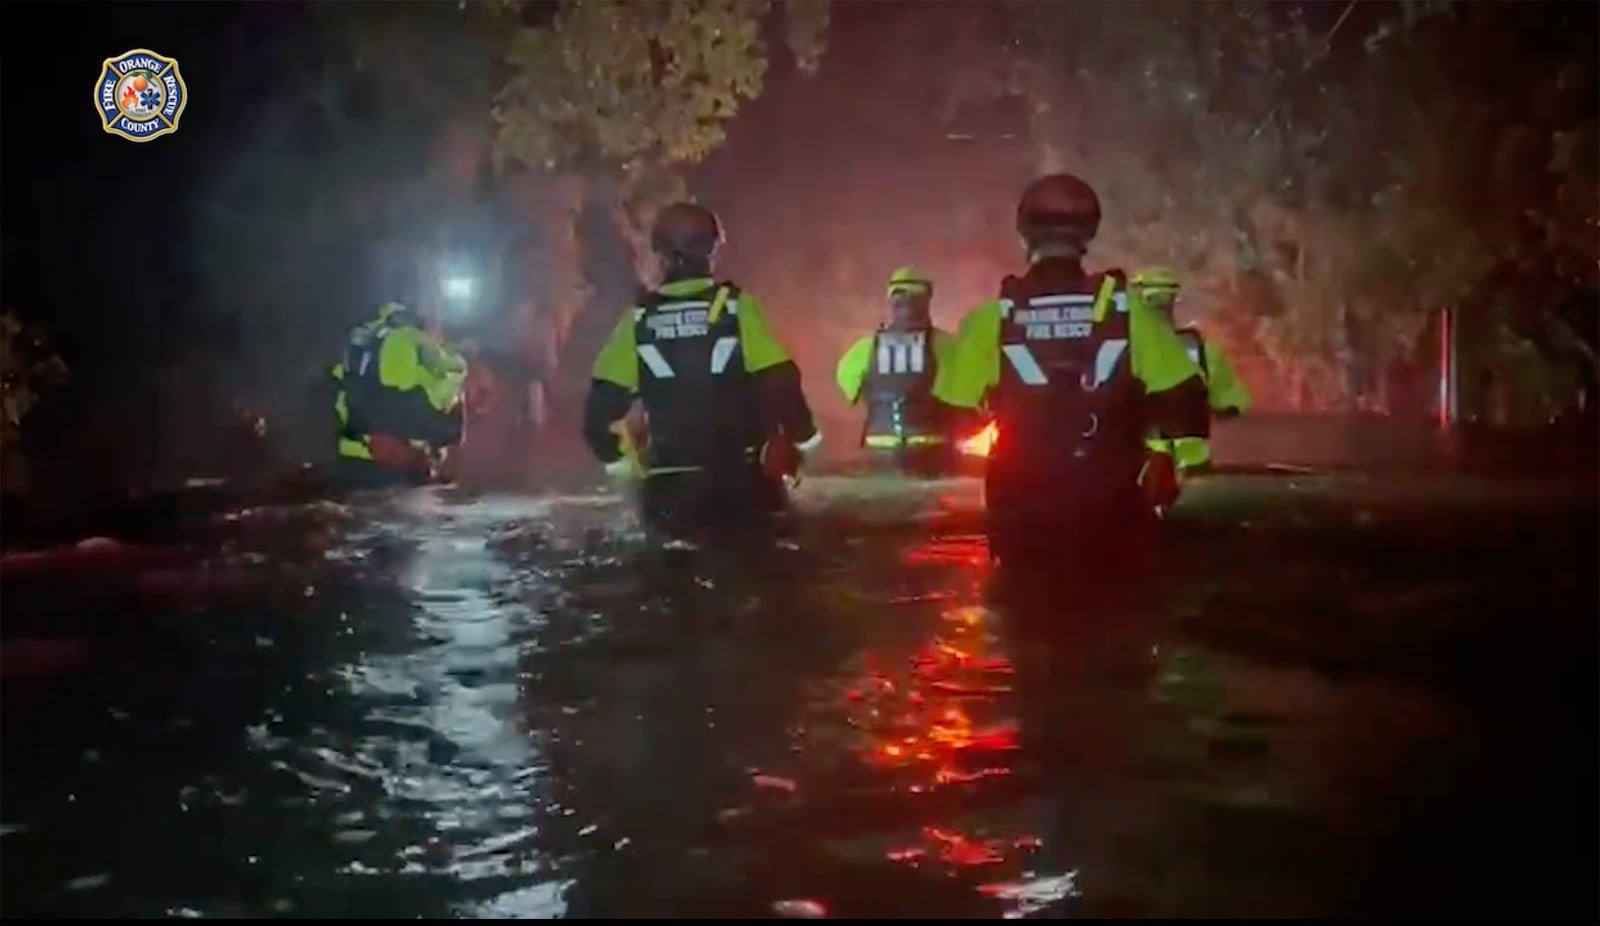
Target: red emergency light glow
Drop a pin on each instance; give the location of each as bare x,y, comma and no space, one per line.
981,443
1446,369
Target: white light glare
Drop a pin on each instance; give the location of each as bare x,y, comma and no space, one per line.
459,288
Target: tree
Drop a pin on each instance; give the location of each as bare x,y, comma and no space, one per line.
1176,113
609,100
1334,202
1495,196
28,367
372,154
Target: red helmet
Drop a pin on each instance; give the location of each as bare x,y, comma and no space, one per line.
1057,204
685,230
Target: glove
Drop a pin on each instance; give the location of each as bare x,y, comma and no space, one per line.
780,458
622,469
630,436
442,465
1158,479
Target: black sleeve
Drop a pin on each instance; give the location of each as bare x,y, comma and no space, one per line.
407,415
1182,411
607,402
783,401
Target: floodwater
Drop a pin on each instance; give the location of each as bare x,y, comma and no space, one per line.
1341,697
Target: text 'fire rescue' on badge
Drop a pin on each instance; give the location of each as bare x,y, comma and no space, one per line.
140,95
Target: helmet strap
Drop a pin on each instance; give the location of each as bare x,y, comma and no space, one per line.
1056,246
675,267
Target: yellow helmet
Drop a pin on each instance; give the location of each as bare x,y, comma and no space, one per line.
909,278
1156,278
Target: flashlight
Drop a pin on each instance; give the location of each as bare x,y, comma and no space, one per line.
458,288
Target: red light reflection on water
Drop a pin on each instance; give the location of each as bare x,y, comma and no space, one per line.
935,721
923,721
959,550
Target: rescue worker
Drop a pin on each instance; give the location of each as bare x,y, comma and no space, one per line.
1158,288
1076,374
892,371
724,420
399,402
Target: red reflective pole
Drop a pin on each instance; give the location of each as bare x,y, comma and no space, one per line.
1446,368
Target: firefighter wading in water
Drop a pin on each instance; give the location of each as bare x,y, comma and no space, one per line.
1158,288
1077,374
725,418
892,372
399,403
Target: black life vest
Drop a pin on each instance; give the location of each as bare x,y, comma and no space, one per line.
1067,404
363,351
703,406
898,388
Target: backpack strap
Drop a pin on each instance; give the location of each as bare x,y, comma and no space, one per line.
727,295
1010,294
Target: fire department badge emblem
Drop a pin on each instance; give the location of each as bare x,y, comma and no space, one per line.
140,95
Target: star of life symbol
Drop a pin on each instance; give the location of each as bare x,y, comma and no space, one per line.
140,95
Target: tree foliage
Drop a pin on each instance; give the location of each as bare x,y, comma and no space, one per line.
367,157
1330,204
616,99
1327,178
630,84
806,32
634,86
28,367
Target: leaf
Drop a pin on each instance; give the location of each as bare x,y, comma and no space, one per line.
27,367
628,83
806,32
1219,143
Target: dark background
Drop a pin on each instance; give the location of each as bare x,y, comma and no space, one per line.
99,231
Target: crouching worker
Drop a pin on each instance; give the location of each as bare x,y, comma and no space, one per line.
399,402
720,421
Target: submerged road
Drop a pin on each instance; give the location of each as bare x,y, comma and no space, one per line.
1344,696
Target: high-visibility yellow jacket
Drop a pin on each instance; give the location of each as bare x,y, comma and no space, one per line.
1224,392
405,383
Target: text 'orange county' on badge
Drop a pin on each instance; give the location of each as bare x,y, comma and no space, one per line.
140,95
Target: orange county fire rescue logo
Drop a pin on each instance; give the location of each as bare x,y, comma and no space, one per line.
140,95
